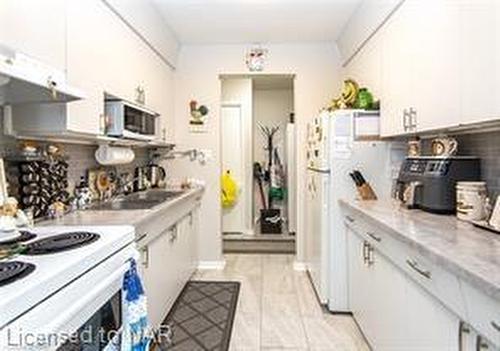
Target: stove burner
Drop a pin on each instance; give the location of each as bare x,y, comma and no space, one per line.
24,236
13,270
59,243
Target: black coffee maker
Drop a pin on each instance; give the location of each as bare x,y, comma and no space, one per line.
428,182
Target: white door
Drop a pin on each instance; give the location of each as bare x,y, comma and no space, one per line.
233,219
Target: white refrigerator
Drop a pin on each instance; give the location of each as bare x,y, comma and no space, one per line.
333,151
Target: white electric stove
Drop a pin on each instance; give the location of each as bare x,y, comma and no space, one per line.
71,278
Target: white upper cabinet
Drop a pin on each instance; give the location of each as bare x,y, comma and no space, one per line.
98,53
437,69
36,28
480,59
106,57
421,73
86,62
439,65
398,53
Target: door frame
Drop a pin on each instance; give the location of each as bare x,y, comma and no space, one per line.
298,174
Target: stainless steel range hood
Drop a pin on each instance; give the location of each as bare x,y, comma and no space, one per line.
26,80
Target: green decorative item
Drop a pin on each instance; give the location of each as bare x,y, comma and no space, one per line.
277,194
364,100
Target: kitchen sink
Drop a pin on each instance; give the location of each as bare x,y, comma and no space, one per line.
138,201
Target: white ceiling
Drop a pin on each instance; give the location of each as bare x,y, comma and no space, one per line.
255,21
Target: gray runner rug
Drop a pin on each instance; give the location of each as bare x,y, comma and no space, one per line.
201,318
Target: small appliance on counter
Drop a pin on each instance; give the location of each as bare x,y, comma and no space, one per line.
472,201
428,182
156,175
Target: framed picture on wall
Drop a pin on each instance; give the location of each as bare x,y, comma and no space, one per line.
198,117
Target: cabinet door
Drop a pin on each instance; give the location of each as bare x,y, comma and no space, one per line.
398,54
36,28
437,67
86,63
431,325
360,284
388,304
158,276
184,250
479,56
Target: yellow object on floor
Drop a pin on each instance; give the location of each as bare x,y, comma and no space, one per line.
229,193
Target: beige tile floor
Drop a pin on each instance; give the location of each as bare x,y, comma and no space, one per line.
277,308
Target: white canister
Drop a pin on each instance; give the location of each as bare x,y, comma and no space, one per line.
471,199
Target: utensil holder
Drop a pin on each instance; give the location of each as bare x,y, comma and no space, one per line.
366,192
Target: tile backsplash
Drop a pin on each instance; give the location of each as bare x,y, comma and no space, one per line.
487,147
81,158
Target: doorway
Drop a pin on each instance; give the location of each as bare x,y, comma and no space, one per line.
258,163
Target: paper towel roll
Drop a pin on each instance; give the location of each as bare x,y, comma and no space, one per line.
114,155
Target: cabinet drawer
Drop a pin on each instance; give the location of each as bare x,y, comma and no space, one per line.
483,313
439,282
442,284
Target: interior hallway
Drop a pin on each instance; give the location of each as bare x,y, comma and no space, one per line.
277,308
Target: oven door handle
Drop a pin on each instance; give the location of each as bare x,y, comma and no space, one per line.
92,301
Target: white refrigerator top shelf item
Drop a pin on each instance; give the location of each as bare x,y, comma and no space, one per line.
24,79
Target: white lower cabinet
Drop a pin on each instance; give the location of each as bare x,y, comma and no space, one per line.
159,284
167,263
393,312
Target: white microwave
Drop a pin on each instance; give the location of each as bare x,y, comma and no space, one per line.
129,120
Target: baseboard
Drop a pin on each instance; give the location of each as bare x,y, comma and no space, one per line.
299,266
214,265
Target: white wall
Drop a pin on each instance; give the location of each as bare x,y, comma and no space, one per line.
317,70
239,91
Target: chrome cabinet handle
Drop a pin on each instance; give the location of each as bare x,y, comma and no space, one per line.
374,237
145,256
413,118
349,219
495,325
405,120
481,344
368,257
51,84
414,265
173,233
365,252
371,256
141,237
462,329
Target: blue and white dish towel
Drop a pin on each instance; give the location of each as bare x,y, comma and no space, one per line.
135,334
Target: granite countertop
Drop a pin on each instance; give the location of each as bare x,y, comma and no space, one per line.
473,254
129,217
